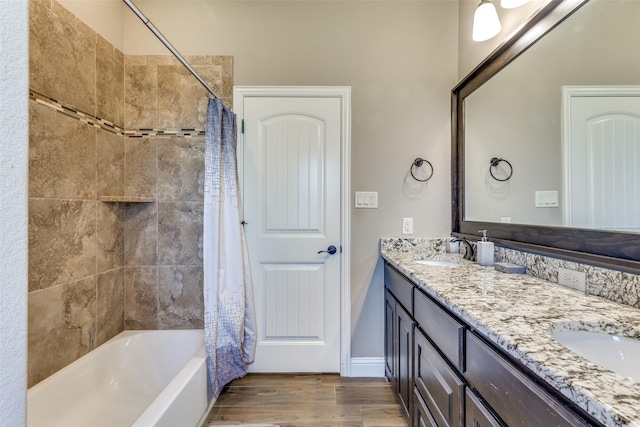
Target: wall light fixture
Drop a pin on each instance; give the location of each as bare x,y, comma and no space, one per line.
486,23
510,4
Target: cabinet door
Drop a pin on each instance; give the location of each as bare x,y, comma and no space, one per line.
476,414
421,415
439,385
405,326
389,337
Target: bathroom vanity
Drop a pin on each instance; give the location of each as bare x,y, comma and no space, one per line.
466,345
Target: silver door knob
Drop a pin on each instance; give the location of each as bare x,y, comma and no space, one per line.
330,250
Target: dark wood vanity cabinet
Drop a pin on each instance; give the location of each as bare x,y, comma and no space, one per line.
399,326
446,374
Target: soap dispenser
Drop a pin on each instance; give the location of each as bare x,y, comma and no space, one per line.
484,251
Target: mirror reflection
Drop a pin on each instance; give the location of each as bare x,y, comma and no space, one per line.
574,165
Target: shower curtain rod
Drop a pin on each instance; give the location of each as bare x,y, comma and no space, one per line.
168,45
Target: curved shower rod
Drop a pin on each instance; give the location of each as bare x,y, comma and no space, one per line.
168,45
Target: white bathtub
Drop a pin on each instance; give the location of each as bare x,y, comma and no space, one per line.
138,378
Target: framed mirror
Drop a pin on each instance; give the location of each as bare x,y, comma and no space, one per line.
511,107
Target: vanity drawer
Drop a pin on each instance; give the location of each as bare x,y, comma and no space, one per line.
444,330
438,384
511,394
400,287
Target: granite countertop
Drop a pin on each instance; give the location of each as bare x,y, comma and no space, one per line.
517,312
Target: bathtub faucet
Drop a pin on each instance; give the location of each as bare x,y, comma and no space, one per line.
469,252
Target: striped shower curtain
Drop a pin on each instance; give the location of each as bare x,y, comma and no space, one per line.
229,315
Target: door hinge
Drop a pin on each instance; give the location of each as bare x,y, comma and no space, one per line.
242,126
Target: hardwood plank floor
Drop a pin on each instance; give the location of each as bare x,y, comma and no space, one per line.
302,400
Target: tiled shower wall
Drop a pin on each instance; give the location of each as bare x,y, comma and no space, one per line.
98,268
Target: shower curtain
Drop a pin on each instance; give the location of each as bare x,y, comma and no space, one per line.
229,315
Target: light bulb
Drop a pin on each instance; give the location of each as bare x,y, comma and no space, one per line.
510,4
486,23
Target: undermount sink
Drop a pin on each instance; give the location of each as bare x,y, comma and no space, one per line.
437,263
615,353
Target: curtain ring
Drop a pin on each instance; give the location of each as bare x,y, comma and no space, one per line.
494,163
418,163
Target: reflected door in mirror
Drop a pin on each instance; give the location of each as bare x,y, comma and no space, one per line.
602,157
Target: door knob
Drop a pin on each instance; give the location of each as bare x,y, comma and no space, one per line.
330,250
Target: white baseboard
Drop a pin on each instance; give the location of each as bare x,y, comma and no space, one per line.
367,366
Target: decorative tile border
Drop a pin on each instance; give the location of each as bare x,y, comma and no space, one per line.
103,124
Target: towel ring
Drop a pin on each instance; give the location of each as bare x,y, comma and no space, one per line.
418,163
494,163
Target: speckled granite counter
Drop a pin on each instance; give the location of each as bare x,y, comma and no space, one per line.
517,312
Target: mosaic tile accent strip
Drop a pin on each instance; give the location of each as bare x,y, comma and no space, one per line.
107,125
75,113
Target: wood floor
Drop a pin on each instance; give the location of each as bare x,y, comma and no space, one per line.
307,400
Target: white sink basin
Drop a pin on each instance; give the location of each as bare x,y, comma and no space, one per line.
437,263
615,353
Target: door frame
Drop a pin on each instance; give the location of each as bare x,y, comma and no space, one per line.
569,92
344,94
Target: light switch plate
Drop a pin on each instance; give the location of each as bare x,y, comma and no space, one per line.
546,199
366,199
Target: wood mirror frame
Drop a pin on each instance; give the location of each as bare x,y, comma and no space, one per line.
610,249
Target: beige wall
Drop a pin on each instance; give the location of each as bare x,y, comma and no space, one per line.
399,57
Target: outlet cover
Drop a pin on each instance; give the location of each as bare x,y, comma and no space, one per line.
572,279
407,225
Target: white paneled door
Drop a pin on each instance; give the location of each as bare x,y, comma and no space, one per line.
602,157
291,155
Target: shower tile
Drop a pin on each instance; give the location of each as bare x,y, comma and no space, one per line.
182,101
180,233
168,60
141,97
62,241
200,59
62,52
181,169
110,305
62,155
226,62
109,236
180,297
141,298
61,327
109,82
140,167
141,234
227,87
135,60
110,164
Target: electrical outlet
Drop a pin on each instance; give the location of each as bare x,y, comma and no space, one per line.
572,279
407,225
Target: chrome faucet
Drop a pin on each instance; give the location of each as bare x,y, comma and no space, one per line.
469,253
